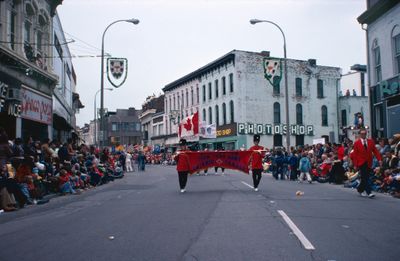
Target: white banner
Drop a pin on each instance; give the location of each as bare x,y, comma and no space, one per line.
208,131
319,141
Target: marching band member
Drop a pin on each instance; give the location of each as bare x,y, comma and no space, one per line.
255,161
182,165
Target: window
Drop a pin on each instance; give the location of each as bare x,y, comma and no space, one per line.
187,98
231,82
223,85
344,118
209,91
320,88
191,95
396,48
299,114
216,115
276,85
232,114
174,103
223,113
277,140
377,61
210,115
11,30
114,127
183,100
27,35
204,93
179,102
277,112
204,115
299,140
324,115
216,88
299,87
197,94
170,104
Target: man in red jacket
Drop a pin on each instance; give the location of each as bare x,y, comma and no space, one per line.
362,155
182,165
255,161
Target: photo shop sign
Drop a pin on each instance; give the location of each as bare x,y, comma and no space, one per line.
272,129
36,107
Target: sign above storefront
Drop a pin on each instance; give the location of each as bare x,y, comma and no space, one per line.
271,129
227,130
390,87
36,107
12,106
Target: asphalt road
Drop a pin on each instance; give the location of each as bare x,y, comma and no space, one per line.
144,217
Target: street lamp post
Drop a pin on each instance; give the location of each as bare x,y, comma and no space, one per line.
133,21
95,115
255,21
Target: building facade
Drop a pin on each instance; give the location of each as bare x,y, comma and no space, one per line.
235,95
26,76
123,127
152,121
66,101
381,21
31,104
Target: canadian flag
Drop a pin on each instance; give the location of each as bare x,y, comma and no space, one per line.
189,126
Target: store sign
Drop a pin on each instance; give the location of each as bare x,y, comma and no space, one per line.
36,107
3,94
271,129
227,130
390,87
12,107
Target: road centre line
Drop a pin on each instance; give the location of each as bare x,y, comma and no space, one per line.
247,184
307,244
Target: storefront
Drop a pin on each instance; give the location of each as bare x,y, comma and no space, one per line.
10,106
36,114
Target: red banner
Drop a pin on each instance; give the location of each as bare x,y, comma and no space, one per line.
238,160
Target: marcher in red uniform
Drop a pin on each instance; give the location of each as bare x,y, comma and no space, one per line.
182,165
362,155
255,161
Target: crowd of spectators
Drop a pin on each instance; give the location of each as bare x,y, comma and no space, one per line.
30,170
333,163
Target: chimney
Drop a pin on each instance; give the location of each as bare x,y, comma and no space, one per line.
265,53
312,62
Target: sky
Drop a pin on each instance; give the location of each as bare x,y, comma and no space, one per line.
176,37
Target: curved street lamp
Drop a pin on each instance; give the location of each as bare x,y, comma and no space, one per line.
102,122
255,21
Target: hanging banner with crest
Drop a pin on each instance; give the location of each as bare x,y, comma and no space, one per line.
117,71
272,68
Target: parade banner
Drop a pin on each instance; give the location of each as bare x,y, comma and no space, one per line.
237,160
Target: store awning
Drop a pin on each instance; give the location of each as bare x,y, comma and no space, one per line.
59,123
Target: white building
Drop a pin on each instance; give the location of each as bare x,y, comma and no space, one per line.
381,21
65,98
234,94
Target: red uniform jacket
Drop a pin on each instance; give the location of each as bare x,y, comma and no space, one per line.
360,155
182,162
256,157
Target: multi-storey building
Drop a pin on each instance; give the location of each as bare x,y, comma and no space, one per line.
234,94
353,102
381,21
123,127
152,121
29,31
65,98
182,98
